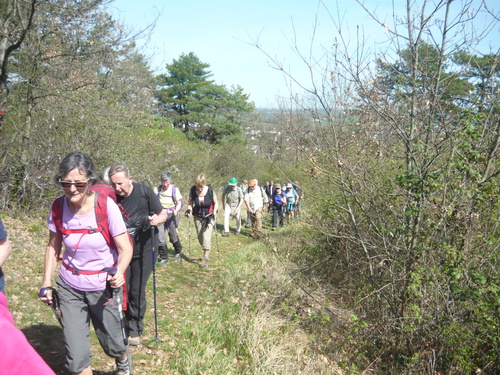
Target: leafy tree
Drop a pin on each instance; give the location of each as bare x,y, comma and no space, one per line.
197,105
77,78
16,19
186,76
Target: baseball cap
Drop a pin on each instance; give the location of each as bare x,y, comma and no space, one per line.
252,182
233,181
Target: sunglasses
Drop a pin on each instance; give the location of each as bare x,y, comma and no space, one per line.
78,184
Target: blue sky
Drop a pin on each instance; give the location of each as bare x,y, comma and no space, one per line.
220,33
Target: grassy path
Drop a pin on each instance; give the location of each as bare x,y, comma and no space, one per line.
227,319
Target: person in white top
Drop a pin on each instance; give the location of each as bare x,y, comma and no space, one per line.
255,200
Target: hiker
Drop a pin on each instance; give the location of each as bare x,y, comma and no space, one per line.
17,356
255,200
232,198
171,200
300,198
244,188
5,251
143,213
83,277
291,198
278,205
103,187
203,205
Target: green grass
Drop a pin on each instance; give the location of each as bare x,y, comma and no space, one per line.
226,319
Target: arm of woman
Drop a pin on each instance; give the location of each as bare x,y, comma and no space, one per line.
52,253
216,203
125,250
5,250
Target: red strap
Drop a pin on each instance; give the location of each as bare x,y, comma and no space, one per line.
83,272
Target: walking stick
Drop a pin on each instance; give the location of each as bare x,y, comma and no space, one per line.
189,236
55,302
109,291
153,247
216,234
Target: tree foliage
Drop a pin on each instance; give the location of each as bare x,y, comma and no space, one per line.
197,105
74,80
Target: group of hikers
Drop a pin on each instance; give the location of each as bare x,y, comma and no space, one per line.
110,231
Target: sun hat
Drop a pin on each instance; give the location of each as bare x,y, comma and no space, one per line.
252,182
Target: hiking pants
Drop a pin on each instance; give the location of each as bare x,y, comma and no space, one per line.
170,226
256,219
138,273
228,213
278,212
78,308
204,227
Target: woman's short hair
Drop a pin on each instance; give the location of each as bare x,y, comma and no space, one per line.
117,168
200,180
77,160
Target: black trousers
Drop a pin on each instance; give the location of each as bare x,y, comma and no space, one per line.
138,274
278,212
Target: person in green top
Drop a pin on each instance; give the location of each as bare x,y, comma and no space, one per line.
232,198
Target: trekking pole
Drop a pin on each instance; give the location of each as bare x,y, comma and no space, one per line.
55,302
109,290
153,247
216,234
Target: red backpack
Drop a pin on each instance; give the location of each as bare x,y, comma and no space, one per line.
101,215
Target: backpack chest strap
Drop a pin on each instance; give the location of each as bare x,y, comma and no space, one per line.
83,231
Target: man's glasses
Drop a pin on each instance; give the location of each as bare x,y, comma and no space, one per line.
78,184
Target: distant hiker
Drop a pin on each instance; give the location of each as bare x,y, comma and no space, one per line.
300,198
17,355
278,204
244,188
103,187
268,188
291,198
76,220
142,212
5,251
232,198
171,200
203,205
105,176
255,200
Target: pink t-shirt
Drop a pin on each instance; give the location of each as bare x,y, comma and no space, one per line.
92,253
17,356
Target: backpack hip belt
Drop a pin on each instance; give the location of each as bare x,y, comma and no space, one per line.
77,272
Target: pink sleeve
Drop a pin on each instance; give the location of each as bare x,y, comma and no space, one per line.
17,356
115,219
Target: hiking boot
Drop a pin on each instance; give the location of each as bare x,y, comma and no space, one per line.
248,225
273,228
122,368
177,257
134,341
225,234
204,263
162,262
237,232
